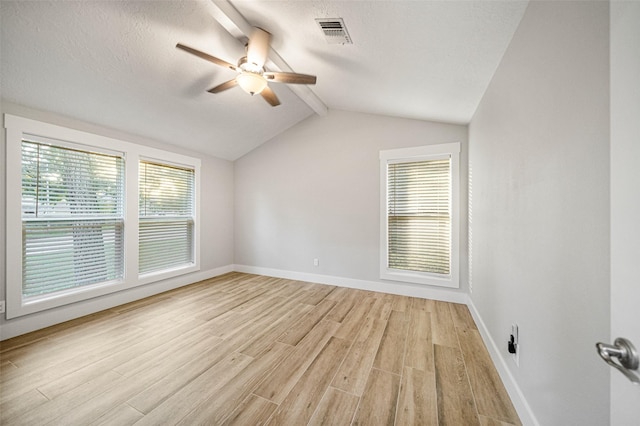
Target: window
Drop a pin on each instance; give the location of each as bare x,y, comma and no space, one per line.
419,211
166,217
89,215
72,218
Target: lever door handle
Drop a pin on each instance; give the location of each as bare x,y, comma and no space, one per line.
625,353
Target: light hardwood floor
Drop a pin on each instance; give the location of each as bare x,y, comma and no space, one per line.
245,349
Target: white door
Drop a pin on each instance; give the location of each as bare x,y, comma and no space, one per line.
625,199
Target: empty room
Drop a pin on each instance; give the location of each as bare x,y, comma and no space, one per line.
319,212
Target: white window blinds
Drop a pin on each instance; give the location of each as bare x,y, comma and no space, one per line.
419,216
166,226
72,218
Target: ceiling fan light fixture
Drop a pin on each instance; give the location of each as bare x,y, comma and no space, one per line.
252,77
251,82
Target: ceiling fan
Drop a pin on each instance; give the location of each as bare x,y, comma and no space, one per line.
252,77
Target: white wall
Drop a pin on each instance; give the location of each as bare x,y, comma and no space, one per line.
539,155
313,192
216,226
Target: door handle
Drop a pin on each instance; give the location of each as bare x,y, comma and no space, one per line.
626,355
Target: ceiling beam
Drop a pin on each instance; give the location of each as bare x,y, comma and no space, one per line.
229,17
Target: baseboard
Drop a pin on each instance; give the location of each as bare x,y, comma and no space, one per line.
515,393
402,289
28,323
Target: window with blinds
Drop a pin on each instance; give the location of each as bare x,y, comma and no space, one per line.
72,218
419,216
70,235
166,225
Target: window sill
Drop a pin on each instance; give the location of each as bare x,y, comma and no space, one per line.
449,281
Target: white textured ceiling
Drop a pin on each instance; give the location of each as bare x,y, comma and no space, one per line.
114,63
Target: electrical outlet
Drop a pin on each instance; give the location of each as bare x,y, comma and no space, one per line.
2,306
514,344
316,262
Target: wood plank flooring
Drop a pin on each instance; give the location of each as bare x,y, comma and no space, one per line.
246,350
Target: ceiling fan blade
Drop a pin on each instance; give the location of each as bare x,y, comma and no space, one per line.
290,77
258,47
224,86
206,56
269,96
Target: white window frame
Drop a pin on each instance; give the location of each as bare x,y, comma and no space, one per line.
414,154
19,127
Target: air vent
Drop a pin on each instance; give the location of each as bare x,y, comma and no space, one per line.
334,30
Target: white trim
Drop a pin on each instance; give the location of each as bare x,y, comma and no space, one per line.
511,385
16,127
13,198
435,151
71,145
37,321
427,152
402,289
131,206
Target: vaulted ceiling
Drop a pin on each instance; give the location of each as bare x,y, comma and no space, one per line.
114,63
